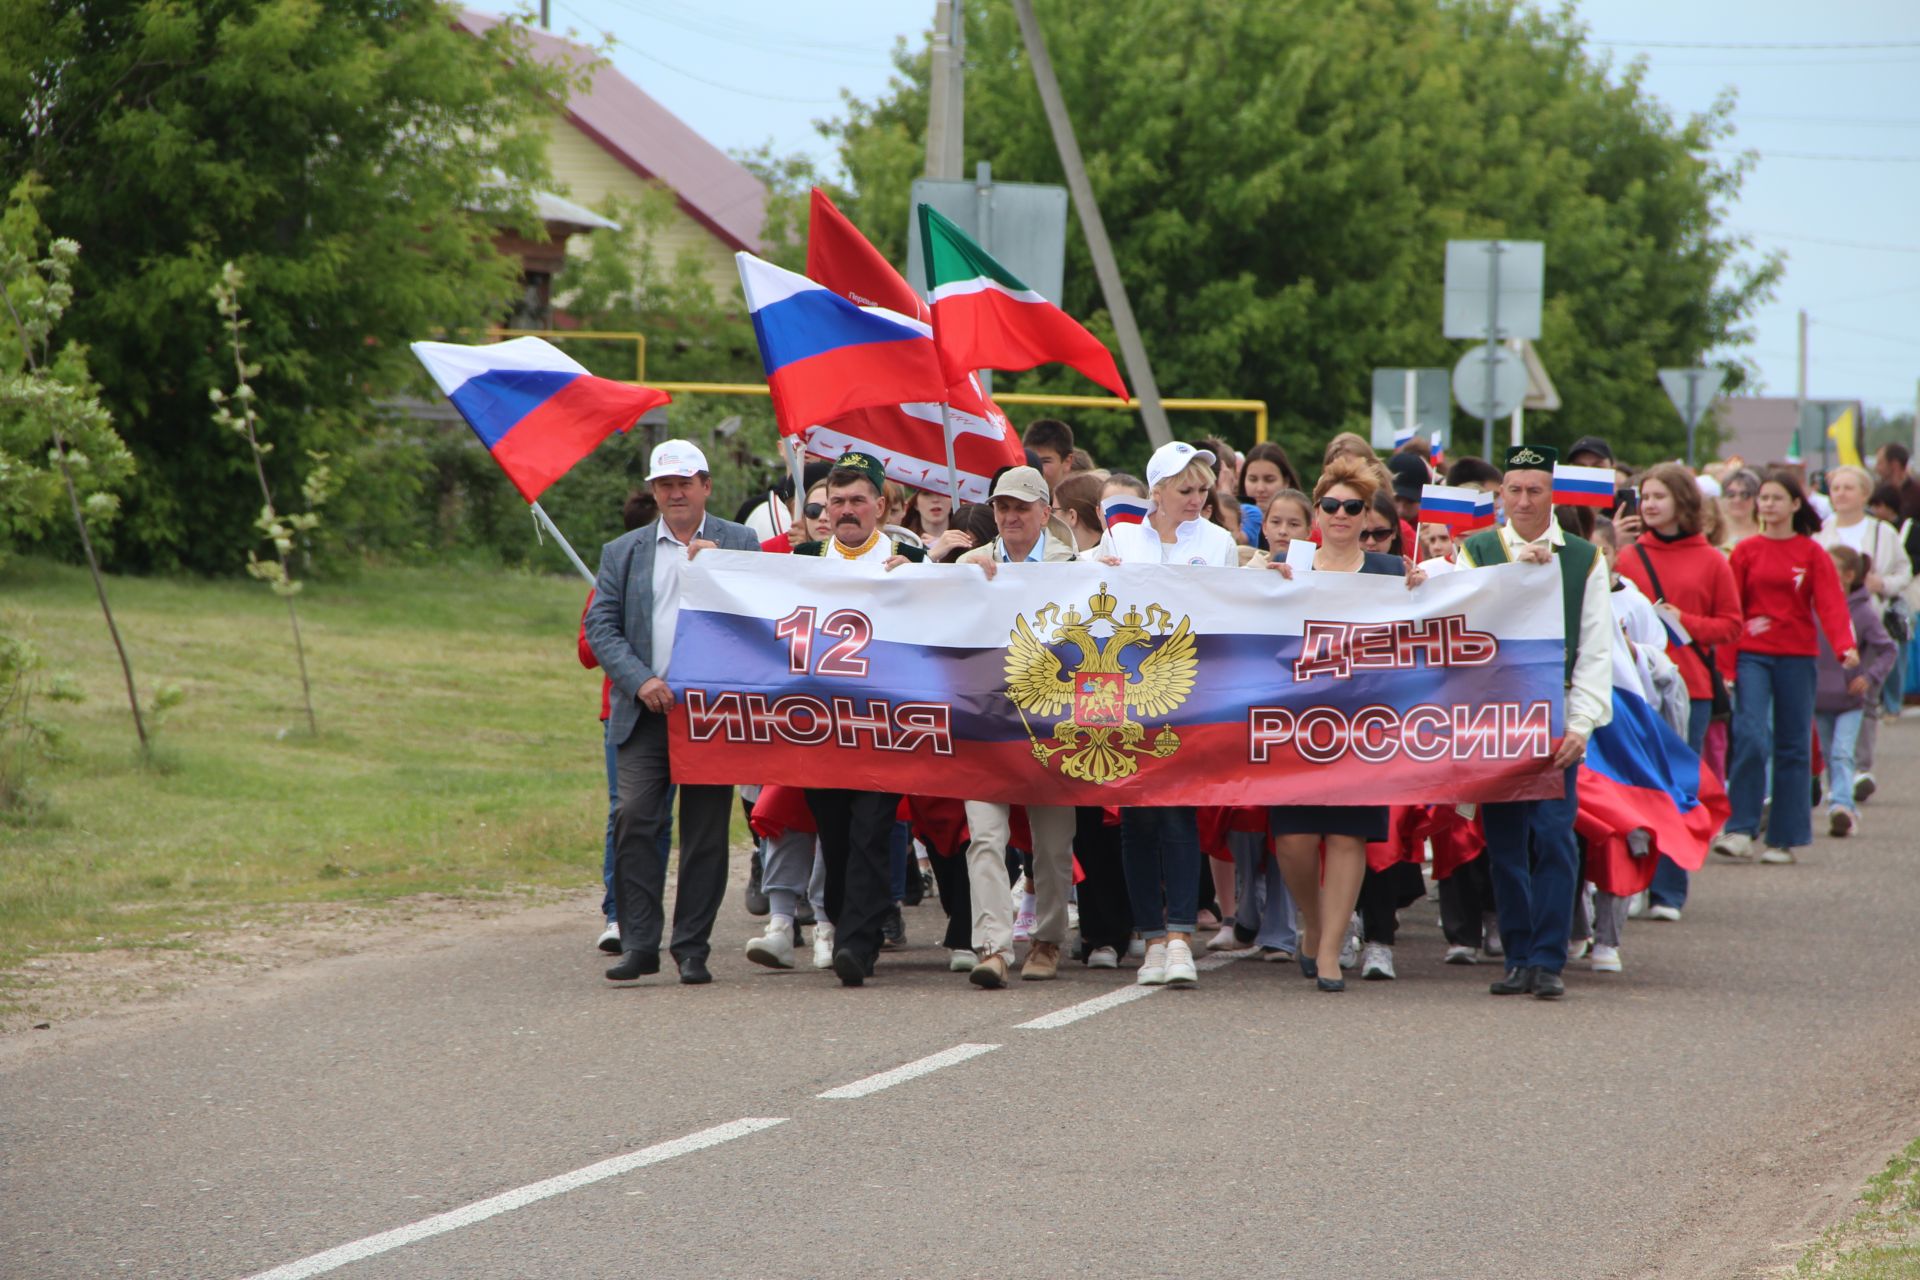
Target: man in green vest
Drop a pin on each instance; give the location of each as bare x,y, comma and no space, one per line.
1531,851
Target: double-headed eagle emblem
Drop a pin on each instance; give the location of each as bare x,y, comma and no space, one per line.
1098,740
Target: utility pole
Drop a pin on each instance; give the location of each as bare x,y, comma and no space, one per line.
946,96
1800,389
1112,288
546,16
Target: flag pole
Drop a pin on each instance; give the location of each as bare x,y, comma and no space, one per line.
796,460
541,517
953,471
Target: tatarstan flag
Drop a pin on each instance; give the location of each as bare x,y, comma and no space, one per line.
983,318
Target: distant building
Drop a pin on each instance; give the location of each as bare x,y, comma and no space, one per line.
1760,428
614,140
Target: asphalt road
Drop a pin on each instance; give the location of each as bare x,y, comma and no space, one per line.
1702,1114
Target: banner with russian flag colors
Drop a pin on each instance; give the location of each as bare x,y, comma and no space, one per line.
1582,486
985,318
1123,508
537,410
1459,508
1087,684
907,437
824,356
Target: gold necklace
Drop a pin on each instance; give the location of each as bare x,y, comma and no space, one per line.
872,539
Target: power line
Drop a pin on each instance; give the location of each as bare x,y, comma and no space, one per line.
1850,122
1780,45
1900,339
1822,155
715,84
1827,240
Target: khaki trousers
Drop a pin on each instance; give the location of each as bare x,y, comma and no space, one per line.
993,905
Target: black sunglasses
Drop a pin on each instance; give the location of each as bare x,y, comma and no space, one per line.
814,510
1377,535
1352,506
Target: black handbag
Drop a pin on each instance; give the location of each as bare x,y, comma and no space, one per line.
1722,697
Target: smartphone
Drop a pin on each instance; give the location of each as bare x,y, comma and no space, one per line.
1626,503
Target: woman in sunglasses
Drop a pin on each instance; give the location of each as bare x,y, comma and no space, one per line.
1343,509
1737,504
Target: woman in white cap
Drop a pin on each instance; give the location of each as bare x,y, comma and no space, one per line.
1160,846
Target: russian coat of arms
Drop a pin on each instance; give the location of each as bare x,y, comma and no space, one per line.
1131,664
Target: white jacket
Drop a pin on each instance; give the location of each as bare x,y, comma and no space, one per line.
1885,548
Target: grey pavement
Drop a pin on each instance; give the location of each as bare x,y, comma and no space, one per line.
1701,1114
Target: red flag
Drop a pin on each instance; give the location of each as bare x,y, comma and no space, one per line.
907,437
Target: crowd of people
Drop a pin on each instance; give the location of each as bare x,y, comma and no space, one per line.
1766,618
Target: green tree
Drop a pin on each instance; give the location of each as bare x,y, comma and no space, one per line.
352,156
1280,181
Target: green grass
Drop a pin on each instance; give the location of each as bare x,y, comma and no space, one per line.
1882,1240
459,751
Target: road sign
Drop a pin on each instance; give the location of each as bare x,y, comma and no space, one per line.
1692,392
1542,395
1490,382
1497,284
1409,403
1022,224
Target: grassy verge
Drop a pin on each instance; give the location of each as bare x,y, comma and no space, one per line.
1882,1240
459,751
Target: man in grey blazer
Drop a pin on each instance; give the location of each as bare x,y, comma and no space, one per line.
630,626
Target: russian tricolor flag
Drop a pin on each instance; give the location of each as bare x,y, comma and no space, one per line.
537,411
1461,509
826,357
1582,486
1123,508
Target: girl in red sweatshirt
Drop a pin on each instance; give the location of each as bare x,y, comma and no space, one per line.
1786,581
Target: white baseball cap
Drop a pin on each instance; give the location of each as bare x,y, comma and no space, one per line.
675,458
1172,459
1709,487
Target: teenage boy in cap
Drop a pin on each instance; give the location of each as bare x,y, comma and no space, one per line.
1022,507
630,628
856,826
1410,473
1532,855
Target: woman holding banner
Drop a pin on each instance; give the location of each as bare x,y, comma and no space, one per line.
1325,899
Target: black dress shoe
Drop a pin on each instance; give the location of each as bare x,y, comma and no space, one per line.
1547,985
849,968
693,972
634,964
1331,984
893,930
1309,967
1516,982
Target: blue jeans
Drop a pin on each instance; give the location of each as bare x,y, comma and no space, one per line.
1261,895
1160,853
1839,732
899,854
613,807
1670,879
1773,725
1535,865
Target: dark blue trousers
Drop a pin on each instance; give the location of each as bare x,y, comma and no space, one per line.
1535,863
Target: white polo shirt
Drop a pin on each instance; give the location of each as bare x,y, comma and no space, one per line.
1195,542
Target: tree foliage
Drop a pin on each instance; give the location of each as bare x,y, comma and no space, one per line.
352,156
1280,181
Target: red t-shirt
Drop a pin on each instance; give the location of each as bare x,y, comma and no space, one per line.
1784,584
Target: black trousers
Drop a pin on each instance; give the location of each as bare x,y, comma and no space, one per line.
856,834
1382,894
956,899
639,876
1466,897
1106,913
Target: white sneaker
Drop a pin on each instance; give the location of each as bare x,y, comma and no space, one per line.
1773,855
1376,962
1350,949
1605,959
609,939
1180,970
1461,955
823,945
1731,844
1153,969
1024,922
1637,905
961,961
1577,948
1670,914
1223,940
1103,958
774,948
1073,916
1136,949
1842,821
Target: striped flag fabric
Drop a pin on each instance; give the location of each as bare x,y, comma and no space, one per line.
1123,508
824,356
985,318
1458,508
1582,486
537,410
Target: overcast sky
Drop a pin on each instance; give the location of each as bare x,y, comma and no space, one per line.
1837,185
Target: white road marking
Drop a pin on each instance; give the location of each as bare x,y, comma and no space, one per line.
911,1071
506,1201
1114,999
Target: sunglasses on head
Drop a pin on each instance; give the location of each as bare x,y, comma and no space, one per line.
1384,534
1352,506
814,510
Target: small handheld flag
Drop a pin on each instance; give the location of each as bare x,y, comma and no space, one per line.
824,356
1123,508
1458,508
537,411
1582,486
1845,442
